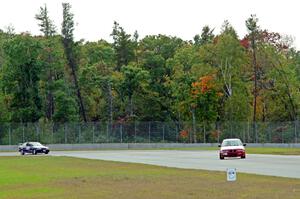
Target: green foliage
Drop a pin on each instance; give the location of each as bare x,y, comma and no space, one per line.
123,45
68,22
206,37
65,108
46,25
54,78
21,78
135,81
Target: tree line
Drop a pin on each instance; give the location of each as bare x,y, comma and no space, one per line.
211,78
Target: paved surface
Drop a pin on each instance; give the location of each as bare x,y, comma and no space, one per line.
274,165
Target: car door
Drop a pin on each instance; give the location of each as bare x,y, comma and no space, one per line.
28,147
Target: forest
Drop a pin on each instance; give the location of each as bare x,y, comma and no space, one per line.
211,78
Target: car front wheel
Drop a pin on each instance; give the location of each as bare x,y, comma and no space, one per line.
34,152
221,157
243,157
22,152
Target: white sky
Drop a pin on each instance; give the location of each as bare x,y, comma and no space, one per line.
182,18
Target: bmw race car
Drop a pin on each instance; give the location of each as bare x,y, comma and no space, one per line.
33,148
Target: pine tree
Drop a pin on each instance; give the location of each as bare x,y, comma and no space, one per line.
48,29
68,42
46,25
253,28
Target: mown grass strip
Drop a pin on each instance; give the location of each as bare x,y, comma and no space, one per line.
249,150
64,177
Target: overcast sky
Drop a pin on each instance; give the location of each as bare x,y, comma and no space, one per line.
182,18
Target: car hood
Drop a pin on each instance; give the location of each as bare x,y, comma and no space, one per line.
232,147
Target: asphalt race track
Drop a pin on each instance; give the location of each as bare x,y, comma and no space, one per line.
274,165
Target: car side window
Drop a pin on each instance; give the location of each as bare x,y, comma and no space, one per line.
28,144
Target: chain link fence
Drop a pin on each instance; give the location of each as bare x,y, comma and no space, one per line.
148,132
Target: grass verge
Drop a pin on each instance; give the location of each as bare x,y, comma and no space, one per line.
250,150
64,177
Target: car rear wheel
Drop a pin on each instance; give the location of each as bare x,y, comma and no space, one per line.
46,152
34,152
22,152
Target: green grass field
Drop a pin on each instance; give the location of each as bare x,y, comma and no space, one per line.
251,150
62,177
274,151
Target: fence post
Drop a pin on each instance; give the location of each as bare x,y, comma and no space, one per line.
248,131
270,132
296,137
282,141
176,133
23,132
121,133
9,134
65,131
163,132
255,130
134,131
107,129
149,131
297,132
93,132
52,133
230,128
204,133
244,137
37,132
79,132
218,131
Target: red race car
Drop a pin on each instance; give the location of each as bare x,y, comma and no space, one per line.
232,148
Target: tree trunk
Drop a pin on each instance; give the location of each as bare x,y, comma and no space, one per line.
110,98
255,85
288,92
194,127
50,98
82,110
72,65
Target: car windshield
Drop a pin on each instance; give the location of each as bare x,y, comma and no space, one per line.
232,143
36,144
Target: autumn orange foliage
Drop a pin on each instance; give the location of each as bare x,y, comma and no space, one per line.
184,134
204,85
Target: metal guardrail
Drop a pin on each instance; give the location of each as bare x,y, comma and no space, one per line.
122,146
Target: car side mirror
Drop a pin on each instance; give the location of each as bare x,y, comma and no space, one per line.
219,145
244,144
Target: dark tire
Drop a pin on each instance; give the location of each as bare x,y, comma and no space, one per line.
221,157
243,157
34,152
22,152
46,152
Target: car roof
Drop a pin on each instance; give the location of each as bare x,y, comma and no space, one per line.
231,139
33,142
